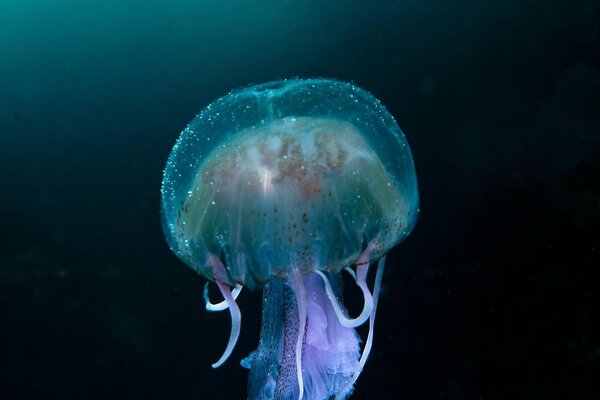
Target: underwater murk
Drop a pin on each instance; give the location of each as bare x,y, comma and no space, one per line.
280,187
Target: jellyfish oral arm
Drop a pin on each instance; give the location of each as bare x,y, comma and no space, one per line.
315,355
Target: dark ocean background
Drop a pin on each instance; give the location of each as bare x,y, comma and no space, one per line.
495,295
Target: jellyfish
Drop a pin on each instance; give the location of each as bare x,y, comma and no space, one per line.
282,187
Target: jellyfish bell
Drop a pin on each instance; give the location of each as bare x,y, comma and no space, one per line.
306,188
280,187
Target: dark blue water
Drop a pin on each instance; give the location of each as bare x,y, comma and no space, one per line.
494,295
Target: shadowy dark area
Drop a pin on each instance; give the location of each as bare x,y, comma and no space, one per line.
493,296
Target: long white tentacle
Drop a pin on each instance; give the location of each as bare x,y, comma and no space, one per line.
361,280
376,289
369,343
236,322
301,304
223,304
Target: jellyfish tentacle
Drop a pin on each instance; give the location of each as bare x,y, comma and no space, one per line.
376,290
362,269
236,316
361,280
301,304
369,342
223,304
236,322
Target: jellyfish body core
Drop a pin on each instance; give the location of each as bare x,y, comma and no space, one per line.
281,187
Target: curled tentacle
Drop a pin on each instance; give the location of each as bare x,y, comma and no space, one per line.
236,316
223,304
369,343
361,280
236,322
